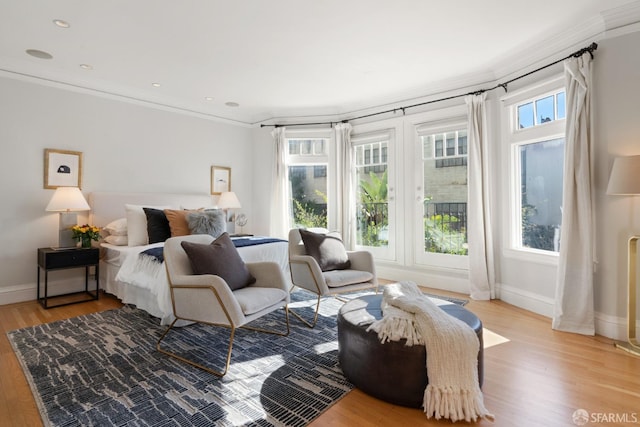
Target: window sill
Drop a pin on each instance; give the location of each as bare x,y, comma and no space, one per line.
538,257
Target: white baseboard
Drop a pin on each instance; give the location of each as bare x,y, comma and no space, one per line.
612,326
524,299
423,278
27,292
609,326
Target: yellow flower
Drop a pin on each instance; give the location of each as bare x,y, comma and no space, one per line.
85,231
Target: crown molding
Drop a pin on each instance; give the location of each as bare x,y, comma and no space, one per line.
561,44
622,16
52,81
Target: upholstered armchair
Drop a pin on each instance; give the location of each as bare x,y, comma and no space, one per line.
209,299
357,273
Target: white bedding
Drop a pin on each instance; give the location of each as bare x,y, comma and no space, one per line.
142,282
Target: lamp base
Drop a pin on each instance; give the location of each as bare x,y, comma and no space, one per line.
65,235
628,347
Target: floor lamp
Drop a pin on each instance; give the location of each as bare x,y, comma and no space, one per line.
625,181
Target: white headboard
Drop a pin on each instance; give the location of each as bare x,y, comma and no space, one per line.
109,206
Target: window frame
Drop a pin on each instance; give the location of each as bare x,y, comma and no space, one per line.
514,138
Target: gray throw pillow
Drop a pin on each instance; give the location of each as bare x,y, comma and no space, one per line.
220,258
210,222
326,249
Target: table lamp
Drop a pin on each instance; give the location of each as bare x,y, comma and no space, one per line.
625,181
67,201
227,201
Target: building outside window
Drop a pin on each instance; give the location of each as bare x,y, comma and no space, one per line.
444,190
308,162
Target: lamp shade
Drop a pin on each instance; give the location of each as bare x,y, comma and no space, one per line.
625,176
228,200
67,199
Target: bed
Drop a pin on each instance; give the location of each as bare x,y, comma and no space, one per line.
133,273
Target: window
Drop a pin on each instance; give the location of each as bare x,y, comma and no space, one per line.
541,110
448,148
444,191
372,190
308,162
536,143
540,179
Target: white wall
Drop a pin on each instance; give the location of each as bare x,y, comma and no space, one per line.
616,133
125,147
263,167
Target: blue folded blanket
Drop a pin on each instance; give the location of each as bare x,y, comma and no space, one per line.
158,253
251,241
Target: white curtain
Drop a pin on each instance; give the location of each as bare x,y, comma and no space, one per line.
573,309
480,239
346,188
280,203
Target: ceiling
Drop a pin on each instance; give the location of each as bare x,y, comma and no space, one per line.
284,58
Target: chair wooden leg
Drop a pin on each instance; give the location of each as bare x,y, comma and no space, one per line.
197,365
315,317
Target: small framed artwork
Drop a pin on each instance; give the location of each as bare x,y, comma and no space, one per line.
62,168
220,179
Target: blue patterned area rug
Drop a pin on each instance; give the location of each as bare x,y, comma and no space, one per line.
103,369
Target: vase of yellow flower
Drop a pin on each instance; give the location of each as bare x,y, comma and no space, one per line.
85,234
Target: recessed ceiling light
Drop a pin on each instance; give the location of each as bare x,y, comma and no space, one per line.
60,23
208,98
39,53
231,104
86,67
156,84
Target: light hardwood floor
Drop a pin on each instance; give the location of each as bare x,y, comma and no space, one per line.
539,377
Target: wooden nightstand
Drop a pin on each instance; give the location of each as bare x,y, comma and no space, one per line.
50,259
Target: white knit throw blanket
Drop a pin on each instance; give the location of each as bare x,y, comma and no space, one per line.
452,348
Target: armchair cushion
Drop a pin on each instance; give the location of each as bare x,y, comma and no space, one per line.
219,258
337,278
253,299
327,249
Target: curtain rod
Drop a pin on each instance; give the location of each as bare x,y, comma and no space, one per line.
589,49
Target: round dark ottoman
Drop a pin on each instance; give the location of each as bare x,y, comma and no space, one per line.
392,372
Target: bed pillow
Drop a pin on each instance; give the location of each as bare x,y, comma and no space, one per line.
327,249
210,222
116,240
178,221
220,258
117,227
137,224
157,225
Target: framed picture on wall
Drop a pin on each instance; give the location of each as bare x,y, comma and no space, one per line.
220,179
62,168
